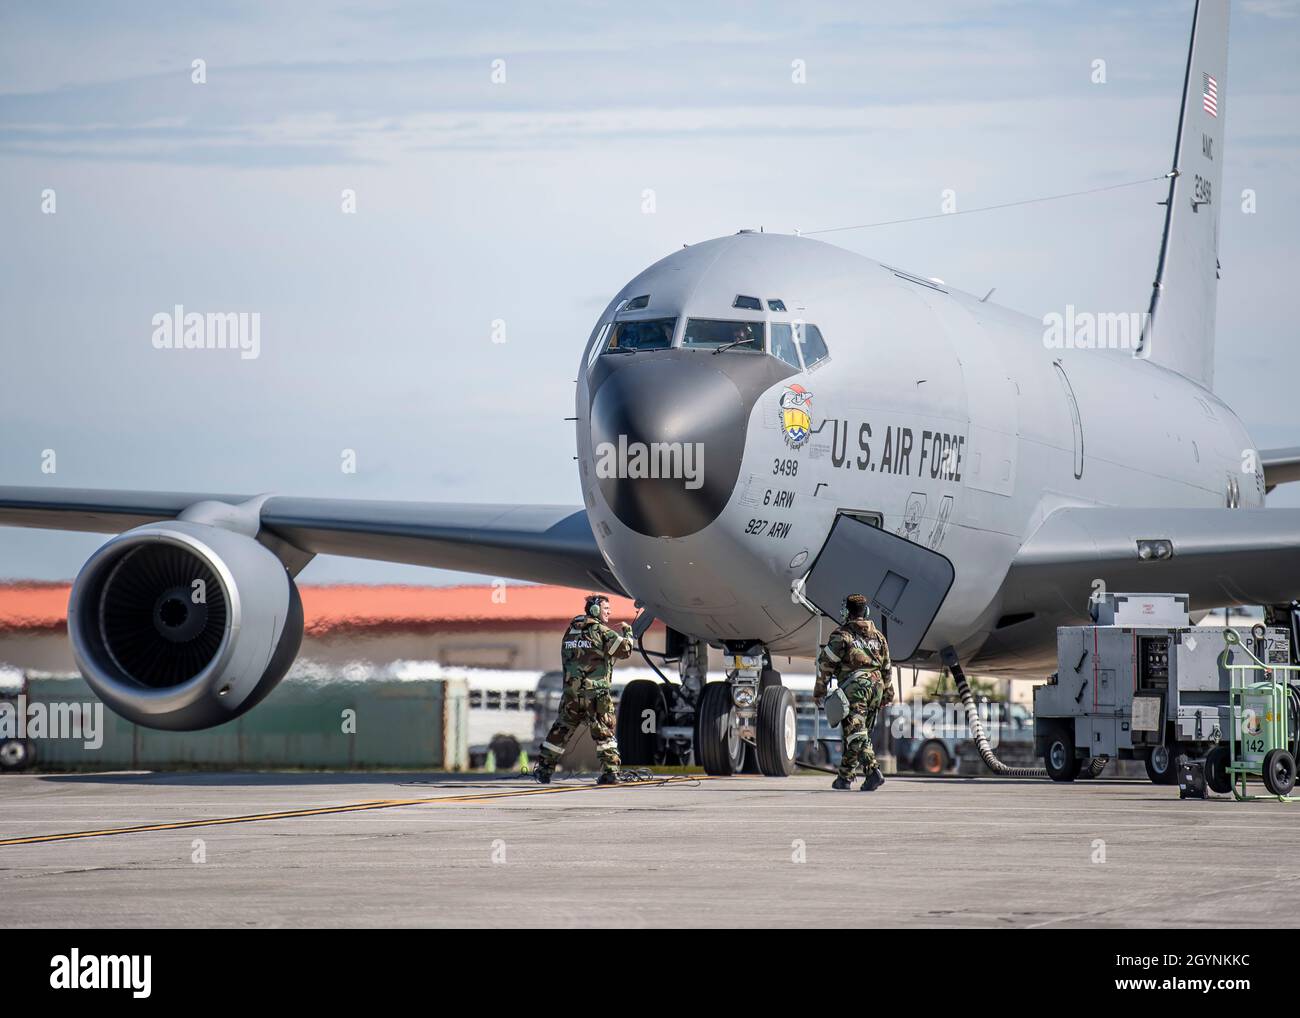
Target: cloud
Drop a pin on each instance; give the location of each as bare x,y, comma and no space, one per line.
523,202
1273,8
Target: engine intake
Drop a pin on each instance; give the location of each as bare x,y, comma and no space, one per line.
182,625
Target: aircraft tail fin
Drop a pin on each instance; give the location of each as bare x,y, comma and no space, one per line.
1179,332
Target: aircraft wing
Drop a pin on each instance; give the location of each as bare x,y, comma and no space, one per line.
1218,557
1280,466
546,544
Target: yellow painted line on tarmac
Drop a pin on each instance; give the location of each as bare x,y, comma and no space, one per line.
352,807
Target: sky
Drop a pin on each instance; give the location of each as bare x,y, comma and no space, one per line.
511,166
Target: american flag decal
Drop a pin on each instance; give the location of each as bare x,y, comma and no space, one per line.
1210,96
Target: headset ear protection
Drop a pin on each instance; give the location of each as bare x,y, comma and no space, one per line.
844,609
594,605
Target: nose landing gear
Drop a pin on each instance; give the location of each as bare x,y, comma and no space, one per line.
747,723
751,709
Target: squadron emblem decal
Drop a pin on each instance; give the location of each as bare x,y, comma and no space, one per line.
796,415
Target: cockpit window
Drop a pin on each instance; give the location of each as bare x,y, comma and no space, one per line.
638,303
809,338
598,342
652,334
747,303
783,344
709,333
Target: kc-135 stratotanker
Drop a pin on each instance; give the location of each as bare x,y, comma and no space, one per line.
765,423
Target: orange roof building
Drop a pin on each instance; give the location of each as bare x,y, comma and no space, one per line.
488,625
354,609
332,610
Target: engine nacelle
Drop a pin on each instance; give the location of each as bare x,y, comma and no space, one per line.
182,625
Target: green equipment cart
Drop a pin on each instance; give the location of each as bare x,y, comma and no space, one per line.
1262,741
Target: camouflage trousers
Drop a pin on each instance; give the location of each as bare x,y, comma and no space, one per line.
577,708
856,731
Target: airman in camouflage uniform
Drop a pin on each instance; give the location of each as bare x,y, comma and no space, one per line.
588,653
857,657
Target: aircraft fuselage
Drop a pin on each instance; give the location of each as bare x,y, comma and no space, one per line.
955,423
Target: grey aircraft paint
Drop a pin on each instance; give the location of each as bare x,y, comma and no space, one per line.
947,417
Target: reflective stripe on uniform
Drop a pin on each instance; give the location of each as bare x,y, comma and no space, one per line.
607,744
855,736
830,653
557,750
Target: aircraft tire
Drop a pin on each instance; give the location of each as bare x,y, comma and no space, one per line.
636,748
718,746
778,732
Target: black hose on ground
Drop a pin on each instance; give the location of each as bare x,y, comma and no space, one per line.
1097,765
977,726
809,765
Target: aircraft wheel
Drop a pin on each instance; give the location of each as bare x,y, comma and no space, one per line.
718,746
778,732
636,747
769,677
1059,758
1279,772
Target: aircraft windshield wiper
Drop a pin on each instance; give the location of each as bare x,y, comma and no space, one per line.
734,343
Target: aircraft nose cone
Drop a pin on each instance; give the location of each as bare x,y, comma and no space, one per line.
667,435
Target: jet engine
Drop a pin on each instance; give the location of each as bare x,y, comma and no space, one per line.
182,625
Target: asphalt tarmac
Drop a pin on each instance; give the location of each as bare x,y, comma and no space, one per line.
398,850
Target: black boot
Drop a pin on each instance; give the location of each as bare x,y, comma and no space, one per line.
874,780
543,774
841,784
609,778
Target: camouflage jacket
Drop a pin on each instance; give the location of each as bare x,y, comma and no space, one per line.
589,651
855,651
